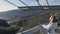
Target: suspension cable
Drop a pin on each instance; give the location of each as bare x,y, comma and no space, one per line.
11,3
48,5
39,4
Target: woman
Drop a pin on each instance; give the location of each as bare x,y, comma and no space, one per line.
51,26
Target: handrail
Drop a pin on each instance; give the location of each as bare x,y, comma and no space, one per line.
32,30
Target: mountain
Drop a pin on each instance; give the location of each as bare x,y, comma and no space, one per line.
12,13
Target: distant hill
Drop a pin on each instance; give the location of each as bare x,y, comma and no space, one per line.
26,13
17,13
13,14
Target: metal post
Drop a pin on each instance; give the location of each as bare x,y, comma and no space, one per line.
38,2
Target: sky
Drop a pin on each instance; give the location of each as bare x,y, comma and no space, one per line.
5,6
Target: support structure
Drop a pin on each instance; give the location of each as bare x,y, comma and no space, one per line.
48,5
26,5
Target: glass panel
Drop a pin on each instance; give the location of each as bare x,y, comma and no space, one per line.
43,2
30,2
34,3
54,2
16,2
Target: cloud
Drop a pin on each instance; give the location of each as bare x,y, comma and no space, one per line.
2,9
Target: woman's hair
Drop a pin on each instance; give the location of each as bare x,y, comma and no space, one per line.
53,18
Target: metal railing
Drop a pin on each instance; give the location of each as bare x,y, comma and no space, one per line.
34,30
31,31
